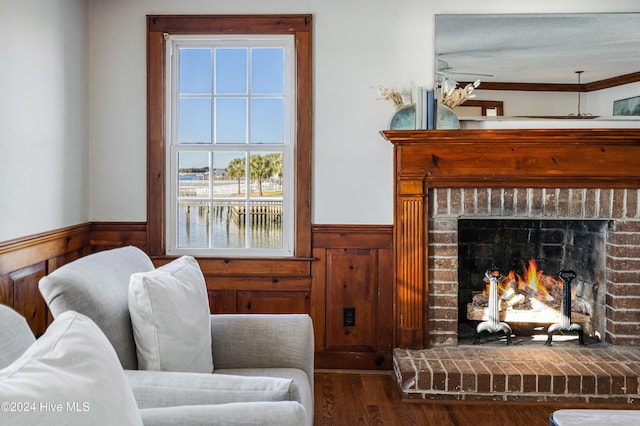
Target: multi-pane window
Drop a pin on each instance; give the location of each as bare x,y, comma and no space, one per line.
231,109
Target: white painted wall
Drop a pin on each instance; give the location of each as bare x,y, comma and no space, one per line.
601,101
43,116
358,44
532,103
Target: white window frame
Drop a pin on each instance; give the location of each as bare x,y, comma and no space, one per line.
287,148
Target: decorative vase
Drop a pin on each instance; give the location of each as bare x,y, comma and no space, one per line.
446,118
404,118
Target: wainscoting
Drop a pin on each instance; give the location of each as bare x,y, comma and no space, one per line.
24,261
351,267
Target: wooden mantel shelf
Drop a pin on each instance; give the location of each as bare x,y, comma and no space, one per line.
531,157
547,158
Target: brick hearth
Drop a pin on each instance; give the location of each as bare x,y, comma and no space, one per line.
569,373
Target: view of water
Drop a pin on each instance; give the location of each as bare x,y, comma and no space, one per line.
198,223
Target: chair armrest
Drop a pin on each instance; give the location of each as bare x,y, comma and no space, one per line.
156,389
285,413
263,341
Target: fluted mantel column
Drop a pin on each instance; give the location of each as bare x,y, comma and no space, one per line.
410,233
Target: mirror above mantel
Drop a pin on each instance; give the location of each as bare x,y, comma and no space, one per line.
529,62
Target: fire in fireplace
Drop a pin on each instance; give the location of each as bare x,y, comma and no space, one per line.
537,260
530,297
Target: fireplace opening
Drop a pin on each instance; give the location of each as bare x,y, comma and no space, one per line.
535,259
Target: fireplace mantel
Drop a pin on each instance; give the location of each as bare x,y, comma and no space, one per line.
518,158
532,158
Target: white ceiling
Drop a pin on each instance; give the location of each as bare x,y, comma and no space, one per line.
538,48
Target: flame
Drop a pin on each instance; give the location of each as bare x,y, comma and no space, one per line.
532,279
535,281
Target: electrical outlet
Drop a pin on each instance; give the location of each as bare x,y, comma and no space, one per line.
349,316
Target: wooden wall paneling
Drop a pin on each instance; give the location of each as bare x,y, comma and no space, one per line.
386,306
27,299
108,235
352,284
6,290
18,254
24,261
352,236
257,283
272,302
222,301
64,258
353,268
286,285
319,297
225,296
285,267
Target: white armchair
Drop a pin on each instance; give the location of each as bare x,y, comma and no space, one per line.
254,352
72,376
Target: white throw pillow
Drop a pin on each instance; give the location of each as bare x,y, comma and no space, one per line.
69,376
169,310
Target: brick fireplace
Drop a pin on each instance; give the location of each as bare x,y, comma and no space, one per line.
443,177
619,288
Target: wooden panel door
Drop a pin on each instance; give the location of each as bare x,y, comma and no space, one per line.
353,271
352,286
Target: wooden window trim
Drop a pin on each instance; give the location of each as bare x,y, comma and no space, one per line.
499,105
157,25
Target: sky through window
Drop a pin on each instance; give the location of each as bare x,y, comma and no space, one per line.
230,96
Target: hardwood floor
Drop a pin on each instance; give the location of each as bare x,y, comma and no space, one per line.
370,398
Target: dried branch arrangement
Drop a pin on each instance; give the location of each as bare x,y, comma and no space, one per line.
454,96
388,94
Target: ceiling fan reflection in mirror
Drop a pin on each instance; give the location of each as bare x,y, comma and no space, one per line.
445,69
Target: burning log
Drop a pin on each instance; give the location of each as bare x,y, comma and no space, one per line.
539,313
537,300
517,302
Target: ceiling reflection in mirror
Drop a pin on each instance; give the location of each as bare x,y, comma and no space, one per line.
537,48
